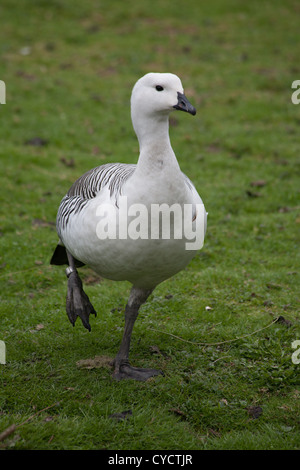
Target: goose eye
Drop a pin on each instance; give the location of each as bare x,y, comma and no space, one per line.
159,88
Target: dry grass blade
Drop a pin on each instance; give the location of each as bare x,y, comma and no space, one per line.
219,342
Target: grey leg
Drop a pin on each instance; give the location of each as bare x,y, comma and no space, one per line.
123,369
78,303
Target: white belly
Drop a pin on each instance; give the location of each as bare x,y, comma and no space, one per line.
144,262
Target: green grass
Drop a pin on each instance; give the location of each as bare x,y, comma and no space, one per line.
237,61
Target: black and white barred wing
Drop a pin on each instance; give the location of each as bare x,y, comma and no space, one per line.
112,176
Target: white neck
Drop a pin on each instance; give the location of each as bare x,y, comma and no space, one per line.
155,147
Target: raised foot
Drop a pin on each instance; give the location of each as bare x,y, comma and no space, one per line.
126,371
78,303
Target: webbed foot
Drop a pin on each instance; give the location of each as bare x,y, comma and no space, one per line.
126,371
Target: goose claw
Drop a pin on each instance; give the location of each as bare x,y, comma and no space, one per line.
78,303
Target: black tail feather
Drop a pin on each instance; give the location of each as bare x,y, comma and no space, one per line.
59,257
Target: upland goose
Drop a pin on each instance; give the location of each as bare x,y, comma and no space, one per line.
131,246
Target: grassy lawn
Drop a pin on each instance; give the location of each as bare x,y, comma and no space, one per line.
69,68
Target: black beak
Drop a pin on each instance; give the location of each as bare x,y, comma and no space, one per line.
184,104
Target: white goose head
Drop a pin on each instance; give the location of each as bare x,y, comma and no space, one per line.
153,97
160,93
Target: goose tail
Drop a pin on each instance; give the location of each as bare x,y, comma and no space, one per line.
60,257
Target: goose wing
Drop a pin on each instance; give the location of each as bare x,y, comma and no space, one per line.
85,188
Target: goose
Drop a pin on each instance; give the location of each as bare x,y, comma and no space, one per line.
156,179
